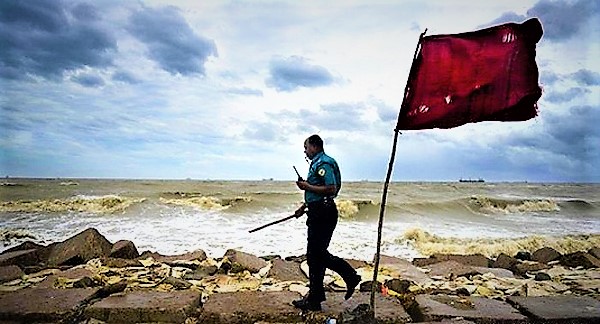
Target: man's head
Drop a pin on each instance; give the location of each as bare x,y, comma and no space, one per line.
313,145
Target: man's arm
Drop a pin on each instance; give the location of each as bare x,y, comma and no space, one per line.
322,190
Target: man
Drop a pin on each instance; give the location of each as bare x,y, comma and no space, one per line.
320,188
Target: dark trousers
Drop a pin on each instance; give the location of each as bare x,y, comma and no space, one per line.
322,219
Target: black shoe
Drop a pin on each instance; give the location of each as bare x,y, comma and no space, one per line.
351,285
307,304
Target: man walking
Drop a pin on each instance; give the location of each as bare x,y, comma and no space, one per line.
320,188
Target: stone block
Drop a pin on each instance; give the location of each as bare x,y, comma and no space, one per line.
146,306
80,248
477,309
505,261
250,307
387,309
403,269
580,259
545,255
11,272
559,309
286,271
240,261
124,249
42,305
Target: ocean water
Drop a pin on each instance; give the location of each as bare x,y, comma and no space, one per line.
178,216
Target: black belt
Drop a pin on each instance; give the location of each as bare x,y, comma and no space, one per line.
324,201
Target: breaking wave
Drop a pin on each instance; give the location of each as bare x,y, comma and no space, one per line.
357,209
429,244
91,204
488,205
207,203
9,235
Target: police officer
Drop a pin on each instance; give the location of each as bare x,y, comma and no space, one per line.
320,188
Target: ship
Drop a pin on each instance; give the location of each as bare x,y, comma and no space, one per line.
471,180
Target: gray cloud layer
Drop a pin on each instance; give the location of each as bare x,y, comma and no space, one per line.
558,17
170,40
46,38
294,72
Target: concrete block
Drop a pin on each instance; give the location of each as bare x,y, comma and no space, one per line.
559,309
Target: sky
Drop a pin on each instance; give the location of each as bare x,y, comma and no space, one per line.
230,89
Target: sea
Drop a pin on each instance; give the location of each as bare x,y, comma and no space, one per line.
420,219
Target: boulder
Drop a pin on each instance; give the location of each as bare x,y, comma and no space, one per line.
121,263
286,271
523,268
398,285
201,272
198,255
545,255
401,268
21,258
124,249
505,261
595,252
451,270
523,256
24,246
542,276
71,275
478,260
239,261
9,273
580,259
559,309
80,248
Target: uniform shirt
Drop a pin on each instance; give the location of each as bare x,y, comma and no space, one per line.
323,171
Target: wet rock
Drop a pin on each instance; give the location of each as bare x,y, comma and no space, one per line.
177,283
80,248
541,276
299,258
286,271
11,272
124,249
355,264
400,268
361,314
24,246
559,309
121,263
85,282
423,262
250,307
270,257
398,285
65,278
111,288
522,269
580,259
477,309
545,255
201,272
477,260
21,258
498,272
387,309
145,307
505,261
523,256
595,252
366,286
42,305
451,270
240,261
198,255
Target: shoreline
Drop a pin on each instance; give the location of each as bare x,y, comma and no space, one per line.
114,270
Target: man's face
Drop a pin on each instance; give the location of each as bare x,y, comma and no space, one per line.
309,149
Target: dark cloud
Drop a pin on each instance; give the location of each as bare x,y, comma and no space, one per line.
171,41
548,77
560,19
88,80
586,77
46,38
557,96
294,72
339,116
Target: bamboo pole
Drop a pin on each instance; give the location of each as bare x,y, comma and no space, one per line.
387,182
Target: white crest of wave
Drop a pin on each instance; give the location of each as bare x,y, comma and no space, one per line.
493,206
93,204
429,244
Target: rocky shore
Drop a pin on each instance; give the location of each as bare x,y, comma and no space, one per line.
87,279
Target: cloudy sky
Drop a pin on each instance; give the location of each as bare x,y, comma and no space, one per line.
230,89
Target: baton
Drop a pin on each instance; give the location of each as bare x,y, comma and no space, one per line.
273,223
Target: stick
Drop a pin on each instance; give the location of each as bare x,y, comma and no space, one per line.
273,223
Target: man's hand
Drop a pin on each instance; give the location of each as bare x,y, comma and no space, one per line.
302,185
300,211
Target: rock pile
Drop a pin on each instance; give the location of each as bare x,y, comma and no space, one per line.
101,272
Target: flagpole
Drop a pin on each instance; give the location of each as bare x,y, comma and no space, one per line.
387,182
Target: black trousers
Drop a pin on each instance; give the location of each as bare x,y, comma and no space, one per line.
322,219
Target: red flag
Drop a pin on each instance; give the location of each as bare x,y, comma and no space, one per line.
489,74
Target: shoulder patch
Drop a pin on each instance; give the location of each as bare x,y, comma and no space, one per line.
321,172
